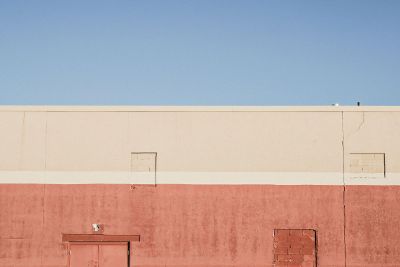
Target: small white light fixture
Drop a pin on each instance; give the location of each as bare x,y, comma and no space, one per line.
97,228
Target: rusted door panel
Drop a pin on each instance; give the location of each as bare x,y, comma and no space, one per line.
113,255
84,255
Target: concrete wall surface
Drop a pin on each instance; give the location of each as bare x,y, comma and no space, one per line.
221,181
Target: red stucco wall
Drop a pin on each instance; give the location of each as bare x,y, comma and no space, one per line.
183,225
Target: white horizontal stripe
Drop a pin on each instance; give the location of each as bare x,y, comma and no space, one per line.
195,178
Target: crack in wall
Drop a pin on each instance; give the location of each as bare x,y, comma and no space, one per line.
21,152
44,191
362,122
344,189
360,125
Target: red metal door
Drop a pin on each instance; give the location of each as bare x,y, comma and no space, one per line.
113,255
84,255
98,254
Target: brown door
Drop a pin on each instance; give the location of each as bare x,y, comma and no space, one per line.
102,254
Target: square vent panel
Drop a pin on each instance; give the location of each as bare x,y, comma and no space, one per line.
144,167
295,247
367,165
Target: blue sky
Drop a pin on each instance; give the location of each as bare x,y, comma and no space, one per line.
200,52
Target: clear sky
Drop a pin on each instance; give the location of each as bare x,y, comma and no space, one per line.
200,52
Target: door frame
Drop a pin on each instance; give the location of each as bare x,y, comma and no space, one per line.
99,239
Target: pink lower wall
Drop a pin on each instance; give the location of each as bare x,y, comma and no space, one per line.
200,225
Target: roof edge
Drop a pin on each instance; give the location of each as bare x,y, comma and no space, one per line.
30,108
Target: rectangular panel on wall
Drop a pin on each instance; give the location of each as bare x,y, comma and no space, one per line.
144,167
367,165
295,247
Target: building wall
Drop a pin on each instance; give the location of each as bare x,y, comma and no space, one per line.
226,178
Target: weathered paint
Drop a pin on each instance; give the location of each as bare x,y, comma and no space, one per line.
183,225
179,225
227,179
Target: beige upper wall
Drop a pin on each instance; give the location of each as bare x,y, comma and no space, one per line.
373,132
255,139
